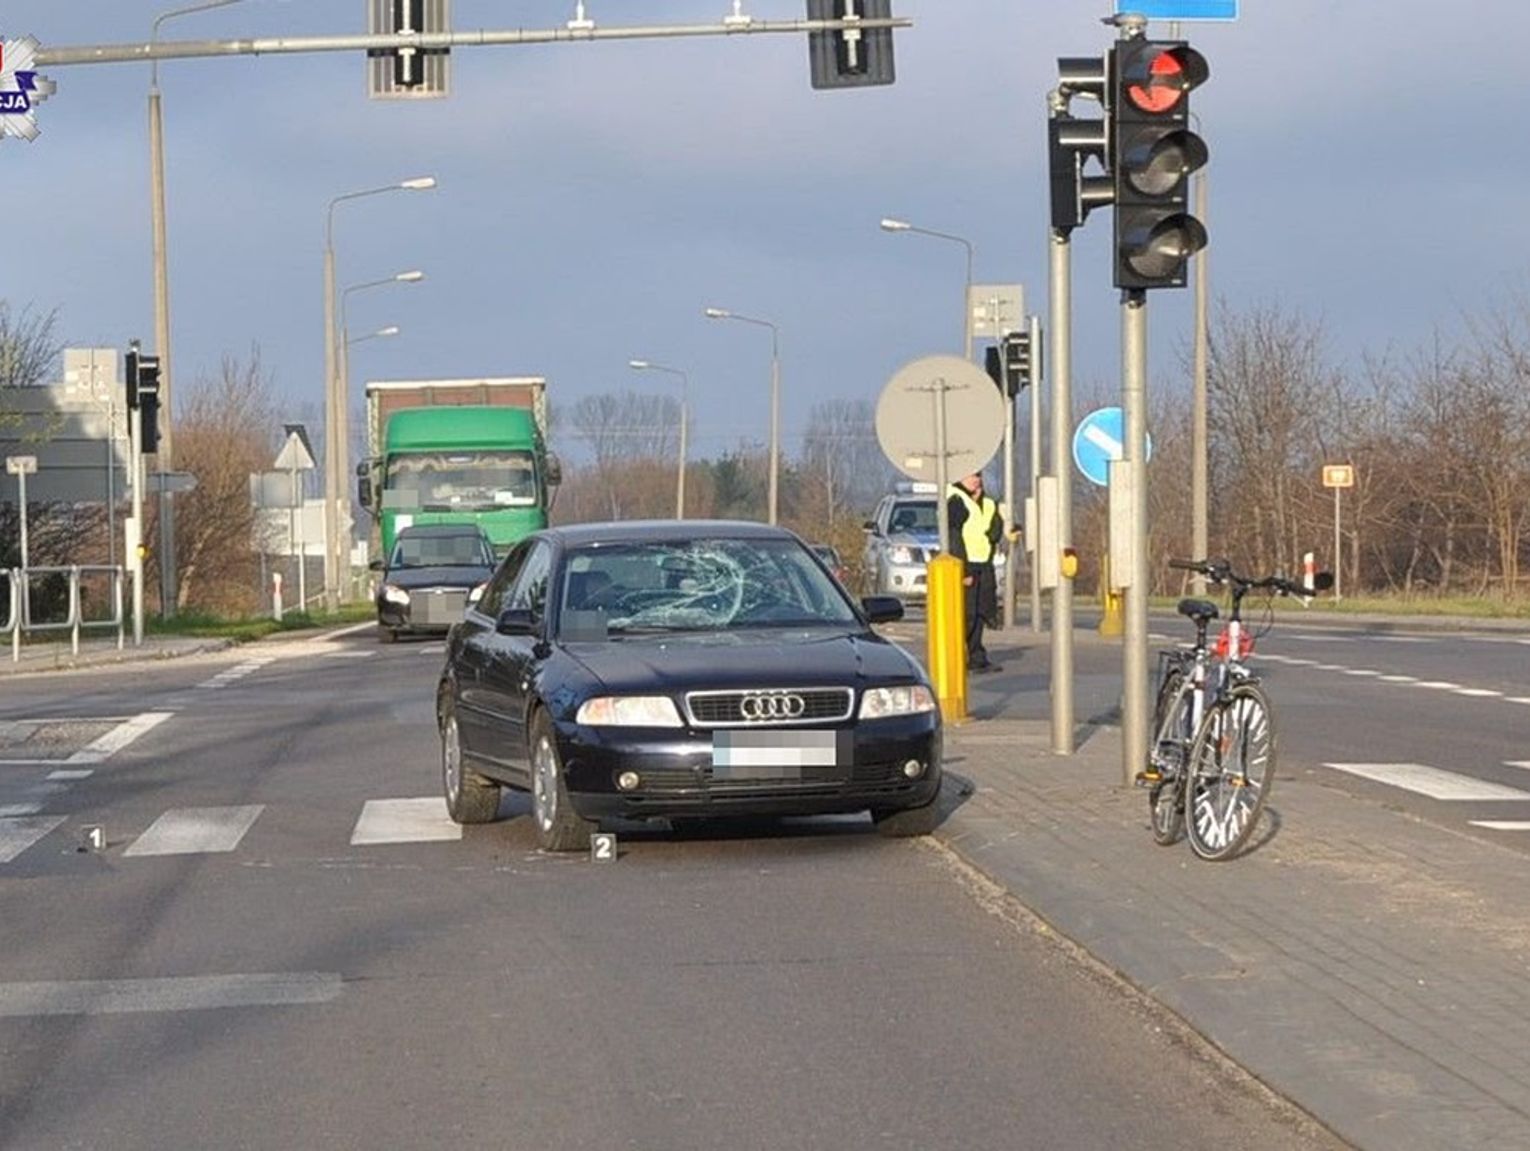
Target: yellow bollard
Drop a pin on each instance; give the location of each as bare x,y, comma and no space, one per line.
1113,621
945,623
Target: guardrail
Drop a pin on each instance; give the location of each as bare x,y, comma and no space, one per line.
18,616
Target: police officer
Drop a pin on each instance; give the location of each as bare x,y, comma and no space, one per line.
976,527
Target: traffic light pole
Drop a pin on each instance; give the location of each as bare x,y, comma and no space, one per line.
1133,567
1060,288
1035,370
134,547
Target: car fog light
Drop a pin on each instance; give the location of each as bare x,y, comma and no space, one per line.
628,781
913,769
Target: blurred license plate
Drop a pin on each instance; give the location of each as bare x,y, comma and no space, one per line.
776,754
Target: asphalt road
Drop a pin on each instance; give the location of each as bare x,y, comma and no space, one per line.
282,943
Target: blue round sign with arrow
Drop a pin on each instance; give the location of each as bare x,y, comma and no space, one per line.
1098,440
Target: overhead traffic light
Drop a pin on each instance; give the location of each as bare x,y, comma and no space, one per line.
1153,153
407,71
850,57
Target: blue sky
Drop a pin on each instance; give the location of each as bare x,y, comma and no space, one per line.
594,198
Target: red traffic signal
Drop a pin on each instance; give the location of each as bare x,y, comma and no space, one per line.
1153,152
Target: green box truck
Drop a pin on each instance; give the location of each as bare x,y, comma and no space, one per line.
458,451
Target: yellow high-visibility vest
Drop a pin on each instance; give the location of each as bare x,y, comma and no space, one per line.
980,517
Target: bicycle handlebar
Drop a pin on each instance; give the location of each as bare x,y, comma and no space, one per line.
1220,571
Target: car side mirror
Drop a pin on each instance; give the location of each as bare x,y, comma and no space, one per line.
376,565
870,526
882,608
517,621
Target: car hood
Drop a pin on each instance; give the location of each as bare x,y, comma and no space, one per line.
455,576
792,657
925,540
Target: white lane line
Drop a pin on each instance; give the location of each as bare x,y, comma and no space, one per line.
16,835
1525,763
1361,671
193,830
1502,824
182,993
1479,692
15,809
1399,679
1518,698
1438,685
349,653
1310,638
404,821
71,773
1432,781
119,737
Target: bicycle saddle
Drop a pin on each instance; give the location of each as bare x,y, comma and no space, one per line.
1200,610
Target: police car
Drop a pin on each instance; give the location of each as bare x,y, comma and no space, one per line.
901,537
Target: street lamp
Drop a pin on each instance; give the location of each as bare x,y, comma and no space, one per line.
167,593
890,225
410,277
645,365
335,430
390,330
775,395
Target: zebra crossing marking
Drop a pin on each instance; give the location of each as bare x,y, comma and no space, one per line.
404,821
16,835
119,737
174,993
195,830
1434,782
1502,824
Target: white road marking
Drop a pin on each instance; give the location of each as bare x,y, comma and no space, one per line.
71,773
1360,671
7,810
1399,679
182,993
16,835
1525,763
404,821
193,830
1502,824
1518,698
1310,638
349,653
1479,692
119,737
1438,685
1431,781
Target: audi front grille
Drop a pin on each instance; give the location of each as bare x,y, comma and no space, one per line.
769,707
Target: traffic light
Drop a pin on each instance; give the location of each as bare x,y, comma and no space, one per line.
850,57
143,394
1009,363
407,71
1074,141
1153,153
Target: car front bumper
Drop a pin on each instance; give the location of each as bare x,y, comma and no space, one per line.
687,774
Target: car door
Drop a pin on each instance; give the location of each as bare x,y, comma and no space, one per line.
471,649
511,663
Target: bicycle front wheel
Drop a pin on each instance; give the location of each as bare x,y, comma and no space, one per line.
1172,738
1232,767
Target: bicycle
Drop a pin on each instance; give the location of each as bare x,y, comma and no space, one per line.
1212,762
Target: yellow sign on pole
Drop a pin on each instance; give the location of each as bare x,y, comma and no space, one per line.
1338,475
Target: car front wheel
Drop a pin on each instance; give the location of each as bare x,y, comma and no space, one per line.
559,826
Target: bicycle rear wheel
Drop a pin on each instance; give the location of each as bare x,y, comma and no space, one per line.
1172,738
1231,770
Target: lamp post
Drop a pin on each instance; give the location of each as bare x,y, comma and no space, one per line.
410,277
334,401
648,366
775,398
167,574
891,225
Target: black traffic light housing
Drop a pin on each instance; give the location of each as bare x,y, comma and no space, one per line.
1011,364
851,57
1153,153
1074,141
142,374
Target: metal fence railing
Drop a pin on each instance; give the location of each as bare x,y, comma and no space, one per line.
91,590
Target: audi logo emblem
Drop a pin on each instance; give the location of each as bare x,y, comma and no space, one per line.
757,708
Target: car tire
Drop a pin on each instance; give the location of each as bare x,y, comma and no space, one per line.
559,826
908,821
470,798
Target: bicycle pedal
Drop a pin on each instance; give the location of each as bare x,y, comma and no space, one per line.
1149,777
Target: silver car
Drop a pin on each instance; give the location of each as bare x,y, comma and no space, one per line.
901,538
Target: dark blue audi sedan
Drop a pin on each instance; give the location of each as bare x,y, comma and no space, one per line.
676,670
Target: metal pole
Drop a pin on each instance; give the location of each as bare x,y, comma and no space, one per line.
1337,553
942,479
1199,457
1060,304
135,554
1036,359
685,418
167,572
967,304
1009,499
775,422
1134,664
331,430
21,485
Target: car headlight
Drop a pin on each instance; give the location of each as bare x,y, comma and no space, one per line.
881,702
900,555
628,711
477,593
395,595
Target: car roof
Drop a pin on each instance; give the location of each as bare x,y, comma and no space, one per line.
650,531
416,530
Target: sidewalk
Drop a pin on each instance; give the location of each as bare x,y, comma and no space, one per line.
1371,968
40,658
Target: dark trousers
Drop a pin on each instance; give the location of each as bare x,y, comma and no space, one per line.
980,600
